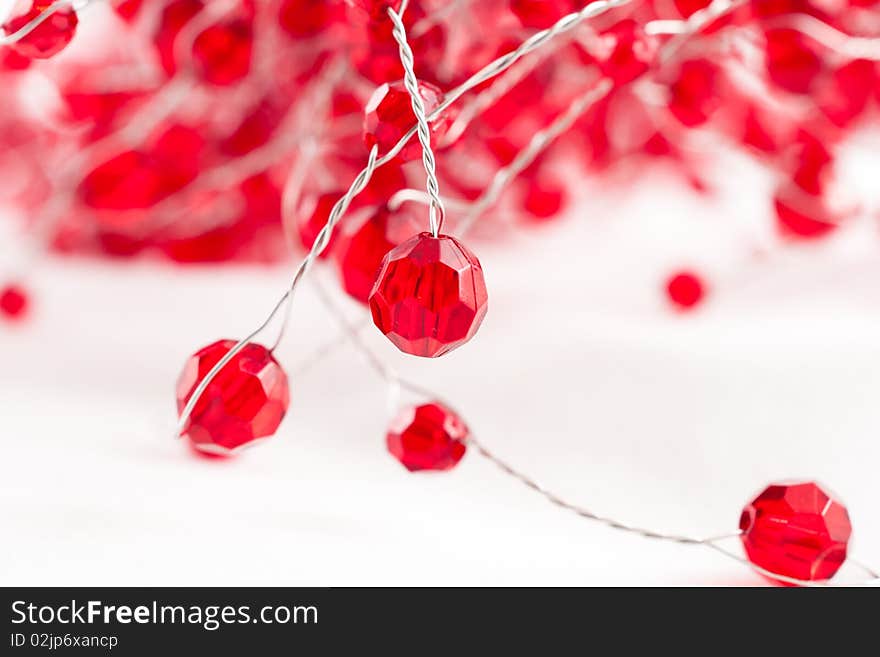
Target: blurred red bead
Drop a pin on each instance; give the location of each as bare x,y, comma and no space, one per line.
792,61
50,37
427,437
844,94
359,256
796,530
128,9
542,14
172,20
311,217
543,199
13,301
693,95
801,215
376,10
685,290
245,402
389,116
301,18
624,52
430,296
222,52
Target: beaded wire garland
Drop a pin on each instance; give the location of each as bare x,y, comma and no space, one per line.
425,288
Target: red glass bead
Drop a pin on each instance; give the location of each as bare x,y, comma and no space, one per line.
245,402
13,301
360,254
174,17
300,18
792,62
625,52
427,437
375,9
223,52
128,9
685,290
312,216
544,199
542,14
389,116
376,54
430,296
796,530
844,95
689,7
47,39
801,215
693,96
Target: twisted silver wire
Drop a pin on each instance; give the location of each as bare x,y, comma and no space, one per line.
410,81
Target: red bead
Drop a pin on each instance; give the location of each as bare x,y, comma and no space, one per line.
376,9
427,437
300,18
361,253
174,17
13,301
689,7
245,402
430,296
791,62
693,95
223,52
389,116
47,39
796,530
544,199
801,215
625,52
128,9
542,14
312,216
685,290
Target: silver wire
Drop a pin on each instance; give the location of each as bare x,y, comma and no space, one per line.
539,142
436,211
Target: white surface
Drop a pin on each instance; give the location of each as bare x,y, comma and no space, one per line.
580,376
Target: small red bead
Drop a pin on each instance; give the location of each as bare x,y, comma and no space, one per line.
427,437
542,14
375,9
223,52
389,116
361,253
430,296
300,18
693,95
50,37
624,52
791,62
246,401
685,290
13,301
312,216
796,530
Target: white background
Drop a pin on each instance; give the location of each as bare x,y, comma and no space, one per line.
581,376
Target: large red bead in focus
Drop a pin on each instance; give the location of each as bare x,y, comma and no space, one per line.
246,401
796,530
50,37
427,437
430,296
389,116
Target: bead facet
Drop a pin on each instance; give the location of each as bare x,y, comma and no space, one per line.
245,402
430,296
427,437
796,530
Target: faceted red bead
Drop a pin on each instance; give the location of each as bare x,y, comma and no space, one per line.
542,14
685,290
246,401
47,39
223,52
13,301
360,255
624,52
796,530
312,216
389,116
430,296
427,437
